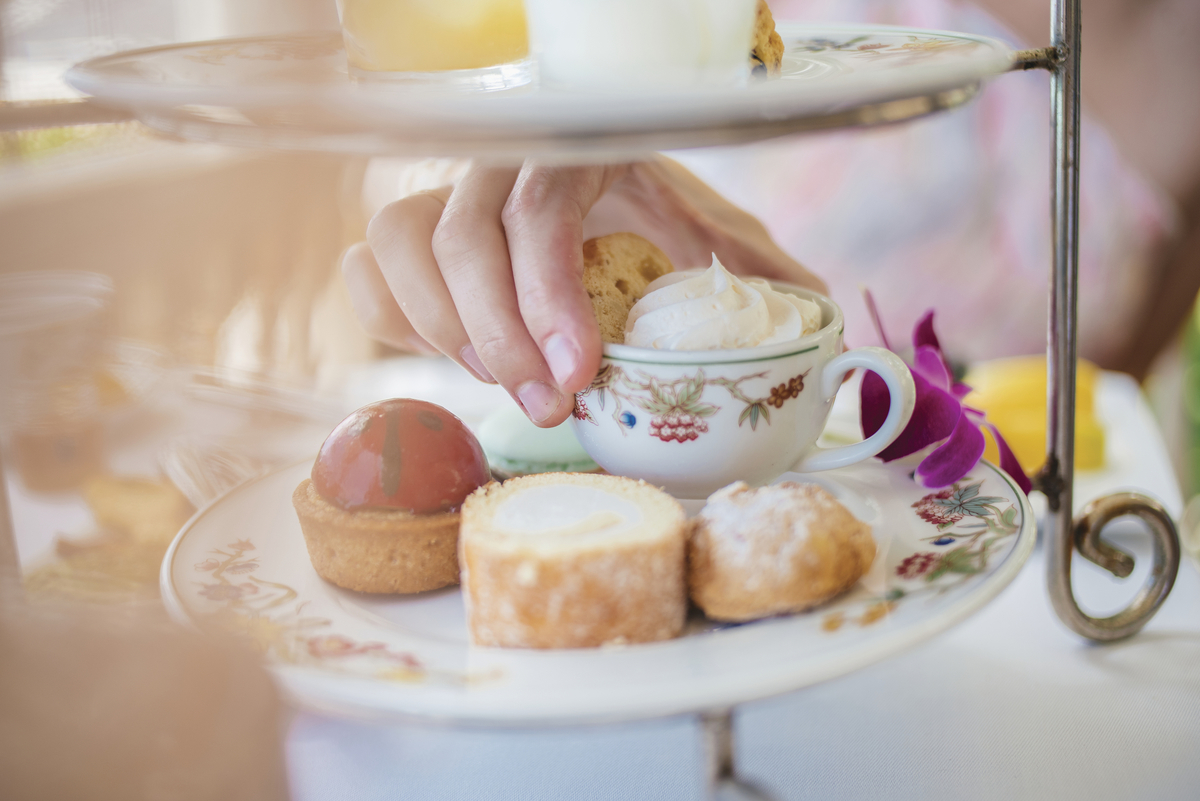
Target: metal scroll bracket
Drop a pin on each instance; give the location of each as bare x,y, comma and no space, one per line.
1063,534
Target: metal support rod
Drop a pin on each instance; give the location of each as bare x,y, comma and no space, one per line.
716,727
1062,533
1059,472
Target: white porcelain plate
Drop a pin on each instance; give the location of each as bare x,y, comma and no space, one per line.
296,92
242,563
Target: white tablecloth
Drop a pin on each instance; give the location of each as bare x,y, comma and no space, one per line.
1008,705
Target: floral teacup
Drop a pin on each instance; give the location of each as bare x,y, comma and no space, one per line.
694,421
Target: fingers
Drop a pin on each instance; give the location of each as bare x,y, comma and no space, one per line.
543,221
472,246
491,273
374,304
400,237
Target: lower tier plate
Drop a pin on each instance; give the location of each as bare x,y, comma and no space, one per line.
242,563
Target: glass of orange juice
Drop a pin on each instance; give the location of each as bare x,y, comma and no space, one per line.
470,44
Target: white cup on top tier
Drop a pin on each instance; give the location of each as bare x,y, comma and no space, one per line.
631,44
693,421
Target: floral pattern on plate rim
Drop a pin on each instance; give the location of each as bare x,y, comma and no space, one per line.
677,413
864,46
272,616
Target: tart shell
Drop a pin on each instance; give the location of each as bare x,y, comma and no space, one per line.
378,550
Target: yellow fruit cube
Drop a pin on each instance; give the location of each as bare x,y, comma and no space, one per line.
1012,392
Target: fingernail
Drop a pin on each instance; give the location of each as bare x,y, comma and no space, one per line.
562,356
539,399
469,356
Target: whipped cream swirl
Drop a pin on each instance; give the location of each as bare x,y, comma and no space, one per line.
713,309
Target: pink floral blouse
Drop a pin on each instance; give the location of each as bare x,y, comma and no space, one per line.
950,212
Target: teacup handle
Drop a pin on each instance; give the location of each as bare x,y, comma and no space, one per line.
895,374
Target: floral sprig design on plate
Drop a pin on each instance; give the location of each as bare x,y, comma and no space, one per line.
975,540
254,594
678,413
974,524
868,613
820,44
947,507
273,616
913,48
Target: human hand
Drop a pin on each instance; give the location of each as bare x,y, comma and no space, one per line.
489,272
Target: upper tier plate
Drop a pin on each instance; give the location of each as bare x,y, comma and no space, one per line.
295,92
242,562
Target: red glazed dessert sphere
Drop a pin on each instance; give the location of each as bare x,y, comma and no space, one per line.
401,453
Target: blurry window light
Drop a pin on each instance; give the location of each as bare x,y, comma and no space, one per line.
40,39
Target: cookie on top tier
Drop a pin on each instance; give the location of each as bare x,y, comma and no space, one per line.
767,53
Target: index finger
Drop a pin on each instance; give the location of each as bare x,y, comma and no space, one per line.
543,222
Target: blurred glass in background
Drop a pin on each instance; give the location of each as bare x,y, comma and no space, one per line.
220,258
158,302
51,334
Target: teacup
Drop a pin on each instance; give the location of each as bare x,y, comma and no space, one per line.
628,45
694,421
52,327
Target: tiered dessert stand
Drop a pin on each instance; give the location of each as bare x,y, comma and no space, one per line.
294,93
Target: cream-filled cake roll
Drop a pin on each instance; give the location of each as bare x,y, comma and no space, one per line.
572,560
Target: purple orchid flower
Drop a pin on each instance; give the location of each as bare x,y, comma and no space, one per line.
939,415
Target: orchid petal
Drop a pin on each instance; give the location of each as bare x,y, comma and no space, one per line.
923,334
873,311
940,416
955,457
1009,463
929,362
934,415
